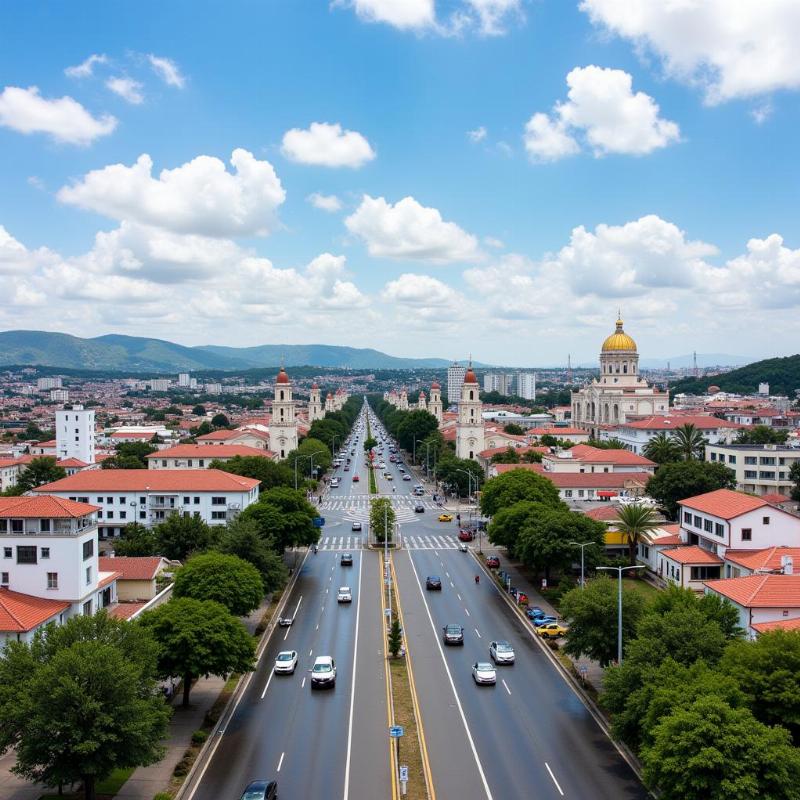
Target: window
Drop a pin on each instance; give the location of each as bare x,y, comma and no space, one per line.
88,549
45,552
731,459
99,515
88,575
3,525
83,499
110,515
766,476
100,499
197,501
708,526
142,501
217,501
8,552
713,456
4,578
190,462
123,514
202,462
719,529
52,580
186,501
568,493
747,534
765,520
16,526
751,460
704,573
142,515
110,500
698,522
26,554
163,462
87,608
44,525
768,460
750,473
218,515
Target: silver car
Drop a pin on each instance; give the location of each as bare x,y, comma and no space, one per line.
501,652
286,662
483,673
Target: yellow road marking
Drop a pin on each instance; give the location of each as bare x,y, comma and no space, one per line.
389,721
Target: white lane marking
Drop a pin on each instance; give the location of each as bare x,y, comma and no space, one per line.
303,683
326,592
317,628
452,585
267,684
322,608
458,596
310,652
352,690
297,607
554,779
280,762
447,573
503,681
466,611
478,632
453,687
286,635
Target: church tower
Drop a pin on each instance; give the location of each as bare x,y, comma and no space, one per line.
283,425
421,403
329,403
403,400
435,402
469,428
315,411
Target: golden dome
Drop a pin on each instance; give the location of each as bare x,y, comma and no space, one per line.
619,340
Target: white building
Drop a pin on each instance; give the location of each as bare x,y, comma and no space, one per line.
59,395
435,402
497,382
159,384
49,569
635,434
75,434
455,378
760,469
200,456
44,384
283,425
150,496
470,434
526,385
315,411
213,388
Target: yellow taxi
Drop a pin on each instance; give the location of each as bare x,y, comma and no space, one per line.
445,517
552,630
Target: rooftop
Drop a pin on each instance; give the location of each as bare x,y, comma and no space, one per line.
24,612
155,480
760,591
724,503
692,554
45,507
768,448
765,559
209,451
131,568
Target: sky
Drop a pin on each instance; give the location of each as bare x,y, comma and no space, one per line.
426,177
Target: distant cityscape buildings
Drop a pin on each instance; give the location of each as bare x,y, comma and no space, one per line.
455,377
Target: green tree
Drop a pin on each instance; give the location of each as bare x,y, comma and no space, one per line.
198,638
507,456
712,606
241,537
633,522
513,429
321,461
450,472
78,703
675,482
504,490
592,617
269,473
369,443
794,476
284,516
130,455
220,421
662,449
690,442
762,434
710,751
395,637
381,518
178,536
38,472
203,428
415,425
199,411
136,540
329,430
225,578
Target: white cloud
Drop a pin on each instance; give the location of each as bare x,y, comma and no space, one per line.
325,202
419,290
167,70
199,197
127,88
408,230
16,259
761,112
491,16
403,14
731,48
477,135
603,109
86,68
65,119
491,241
327,145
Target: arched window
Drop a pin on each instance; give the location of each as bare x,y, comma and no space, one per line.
281,394
471,395
625,368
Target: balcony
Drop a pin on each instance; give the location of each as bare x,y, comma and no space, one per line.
31,527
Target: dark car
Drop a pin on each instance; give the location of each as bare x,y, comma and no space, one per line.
465,536
453,634
261,790
419,508
347,560
492,562
433,582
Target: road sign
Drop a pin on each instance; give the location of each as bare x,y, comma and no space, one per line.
387,612
403,773
318,522
396,731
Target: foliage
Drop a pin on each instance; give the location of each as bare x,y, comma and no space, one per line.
607,444
415,425
203,428
395,637
794,476
369,443
284,516
548,440
782,374
198,638
270,473
514,430
662,449
241,537
130,455
179,536
331,431
321,461
220,421
38,472
80,701
225,578
199,410
381,518
633,521
450,471
504,490
762,434
675,482
136,540
592,615
689,442
507,456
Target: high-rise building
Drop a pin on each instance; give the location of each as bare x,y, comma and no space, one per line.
59,395
497,382
159,384
43,384
75,432
184,380
526,385
455,377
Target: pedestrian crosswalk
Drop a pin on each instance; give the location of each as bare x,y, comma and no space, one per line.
356,508
409,542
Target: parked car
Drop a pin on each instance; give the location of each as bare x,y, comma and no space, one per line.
546,620
261,790
406,477
533,612
346,560
483,673
286,662
445,517
453,634
323,673
501,652
493,562
433,582
551,630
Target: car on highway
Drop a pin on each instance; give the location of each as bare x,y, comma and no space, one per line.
445,517
356,526
286,662
334,483
433,582
483,673
356,479
382,465
344,595
462,547
465,536
346,560
260,790
323,673
419,508
389,476
406,477
492,562
551,630
453,634
285,622
347,468
501,652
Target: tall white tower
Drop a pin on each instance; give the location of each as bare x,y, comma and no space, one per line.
403,400
435,402
422,405
315,404
455,377
283,425
329,403
469,428
75,433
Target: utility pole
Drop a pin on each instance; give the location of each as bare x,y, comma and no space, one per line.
582,545
619,571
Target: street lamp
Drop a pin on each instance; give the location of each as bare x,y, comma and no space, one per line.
470,478
619,571
304,455
582,545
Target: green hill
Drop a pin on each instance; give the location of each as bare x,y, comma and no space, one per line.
782,375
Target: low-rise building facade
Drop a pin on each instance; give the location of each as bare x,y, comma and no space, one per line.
760,469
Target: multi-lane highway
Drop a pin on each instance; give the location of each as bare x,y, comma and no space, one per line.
528,736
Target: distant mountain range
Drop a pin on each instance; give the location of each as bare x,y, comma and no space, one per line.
682,362
140,354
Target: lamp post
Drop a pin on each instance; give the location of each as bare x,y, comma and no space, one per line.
470,478
619,571
582,545
297,460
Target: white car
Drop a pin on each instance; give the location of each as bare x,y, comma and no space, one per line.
406,477
501,652
323,673
286,662
344,595
483,673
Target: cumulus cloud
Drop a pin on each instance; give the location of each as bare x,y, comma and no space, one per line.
325,202
127,88
327,145
86,68
419,290
16,259
63,118
490,17
477,135
402,14
199,197
409,230
602,108
167,70
730,49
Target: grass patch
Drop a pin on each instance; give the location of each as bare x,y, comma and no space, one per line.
404,715
644,588
106,788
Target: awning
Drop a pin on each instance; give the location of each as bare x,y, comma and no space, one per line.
607,494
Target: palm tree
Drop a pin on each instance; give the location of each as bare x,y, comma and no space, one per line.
633,521
662,449
690,442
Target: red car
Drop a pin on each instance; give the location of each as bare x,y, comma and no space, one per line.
465,536
356,479
492,562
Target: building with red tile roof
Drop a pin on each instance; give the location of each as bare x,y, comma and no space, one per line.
23,613
136,575
688,566
199,456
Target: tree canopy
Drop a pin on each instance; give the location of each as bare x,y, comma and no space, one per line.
225,578
38,472
136,540
381,518
269,473
242,537
179,536
510,487
129,455
284,516
675,482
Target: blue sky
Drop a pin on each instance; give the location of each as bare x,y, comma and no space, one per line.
495,176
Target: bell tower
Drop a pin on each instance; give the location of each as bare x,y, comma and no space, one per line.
469,428
283,425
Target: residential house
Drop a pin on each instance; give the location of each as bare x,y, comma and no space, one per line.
636,433
199,456
760,469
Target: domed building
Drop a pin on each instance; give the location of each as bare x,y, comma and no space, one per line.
620,393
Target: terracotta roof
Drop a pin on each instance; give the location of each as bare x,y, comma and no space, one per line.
776,498
24,612
558,432
592,455
107,578
760,591
777,625
72,462
131,568
662,422
282,377
156,480
605,513
692,554
582,480
724,503
46,507
669,541
209,451
768,558
218,436
489,452
132,435
125,610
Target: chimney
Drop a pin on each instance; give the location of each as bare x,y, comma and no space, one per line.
787,565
